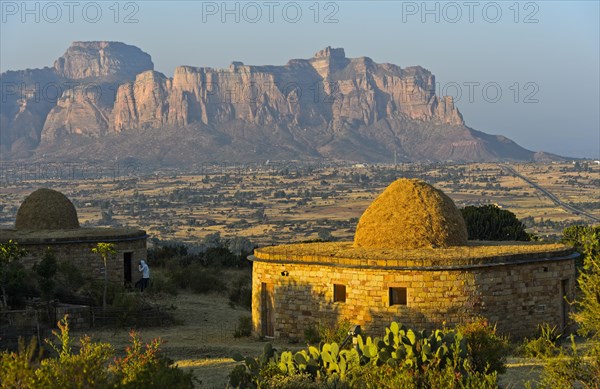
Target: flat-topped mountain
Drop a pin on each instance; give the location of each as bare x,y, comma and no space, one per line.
112,102
102,59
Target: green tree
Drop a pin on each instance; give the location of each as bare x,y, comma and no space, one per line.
588,304
46,270
577,368
489,222
325,235
105,250
9,252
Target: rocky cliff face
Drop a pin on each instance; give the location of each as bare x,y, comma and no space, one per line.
325,106
79,111
84,60
328,90
26,101
76,96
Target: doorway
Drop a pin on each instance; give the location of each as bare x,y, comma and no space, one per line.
564,304
266,309
127,268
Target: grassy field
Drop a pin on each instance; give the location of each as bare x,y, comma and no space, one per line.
203,342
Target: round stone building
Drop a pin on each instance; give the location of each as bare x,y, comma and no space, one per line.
411,262
48,219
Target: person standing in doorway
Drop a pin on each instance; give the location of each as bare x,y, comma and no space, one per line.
145,270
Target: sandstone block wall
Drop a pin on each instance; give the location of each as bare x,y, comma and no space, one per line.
90,264
516,296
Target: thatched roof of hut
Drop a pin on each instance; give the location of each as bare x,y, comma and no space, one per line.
46,209
411,214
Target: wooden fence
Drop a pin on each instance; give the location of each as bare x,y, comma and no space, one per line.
40,322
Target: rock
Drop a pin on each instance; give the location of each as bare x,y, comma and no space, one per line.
116,60
325,106
331,89
57,101
79,111
27,97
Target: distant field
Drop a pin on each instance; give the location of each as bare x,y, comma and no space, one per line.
272,207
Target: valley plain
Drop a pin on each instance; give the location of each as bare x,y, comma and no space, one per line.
279,202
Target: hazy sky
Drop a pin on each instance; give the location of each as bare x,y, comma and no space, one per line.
526,70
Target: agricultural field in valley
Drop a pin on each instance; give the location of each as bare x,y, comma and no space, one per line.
289,202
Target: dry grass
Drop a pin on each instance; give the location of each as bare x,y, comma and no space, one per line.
203,342
411,214
34,236
472,253
212,372
520,371
46,209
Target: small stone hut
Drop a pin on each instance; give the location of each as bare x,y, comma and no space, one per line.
411,262
48,219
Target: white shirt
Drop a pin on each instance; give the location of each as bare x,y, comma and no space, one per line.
143,267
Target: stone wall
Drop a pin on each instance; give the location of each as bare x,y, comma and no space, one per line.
517,296
80,254
79,315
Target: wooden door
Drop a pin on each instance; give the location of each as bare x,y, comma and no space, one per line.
564,290
267,306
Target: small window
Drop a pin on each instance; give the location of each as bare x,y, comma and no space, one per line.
397,296
339,293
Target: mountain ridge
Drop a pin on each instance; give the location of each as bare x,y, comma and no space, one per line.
327,106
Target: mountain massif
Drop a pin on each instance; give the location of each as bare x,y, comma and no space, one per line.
104,98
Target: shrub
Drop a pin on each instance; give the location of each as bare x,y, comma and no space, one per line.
487,350
334,333
577,369
162,284
244,327
221,256
240,292
402,358
488,222
94,289
68,280
84,369
386,377
240,378
311,334
17,370
19,285
572,370
198,279
296,381
588,305
161,255
544,345
321,332
90,366
144,366
10,254
45,271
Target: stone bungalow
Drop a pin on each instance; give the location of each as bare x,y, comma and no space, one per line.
411,262
48,219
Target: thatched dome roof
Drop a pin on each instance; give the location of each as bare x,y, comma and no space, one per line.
46,209
411,214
